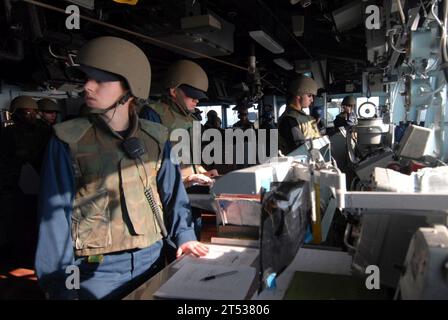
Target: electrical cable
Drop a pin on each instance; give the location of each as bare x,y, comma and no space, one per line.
400,9
159,43
55,55
424,8
443,27
158,214
393,45
443,45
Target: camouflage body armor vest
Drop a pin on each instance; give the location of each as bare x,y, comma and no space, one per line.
306,124
110,210
174,120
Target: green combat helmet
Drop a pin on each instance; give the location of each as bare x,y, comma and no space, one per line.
302,85
186,72
119,57
22,102
348,101
47,105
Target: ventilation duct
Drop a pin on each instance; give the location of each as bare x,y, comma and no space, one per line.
207,34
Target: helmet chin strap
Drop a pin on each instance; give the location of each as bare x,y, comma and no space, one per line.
121,101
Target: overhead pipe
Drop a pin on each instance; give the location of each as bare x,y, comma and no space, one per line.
157,42
154,41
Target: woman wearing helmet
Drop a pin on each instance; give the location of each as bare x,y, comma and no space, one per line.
107,176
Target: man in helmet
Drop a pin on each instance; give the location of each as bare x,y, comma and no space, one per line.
22,146
185,84
267,119
24,141
295,126
107,177
213,121
23,109
243,115
347,118
48,111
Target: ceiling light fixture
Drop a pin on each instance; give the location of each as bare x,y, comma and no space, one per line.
266,41
283,63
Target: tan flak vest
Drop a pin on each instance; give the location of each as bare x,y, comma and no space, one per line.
174,120
306,124
110,210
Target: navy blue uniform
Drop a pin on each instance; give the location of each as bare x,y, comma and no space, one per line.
118,270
